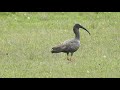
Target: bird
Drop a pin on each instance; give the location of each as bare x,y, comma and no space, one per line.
72,45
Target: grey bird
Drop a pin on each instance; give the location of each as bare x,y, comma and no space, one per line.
72,45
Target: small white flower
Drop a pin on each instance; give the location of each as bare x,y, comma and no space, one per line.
88,71
75,64
65,30
15,18
28,17
104,56
25,14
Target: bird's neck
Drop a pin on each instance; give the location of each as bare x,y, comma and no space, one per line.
77,33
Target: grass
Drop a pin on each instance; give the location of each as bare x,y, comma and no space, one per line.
26,39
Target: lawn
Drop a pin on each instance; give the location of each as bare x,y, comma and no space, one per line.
26,39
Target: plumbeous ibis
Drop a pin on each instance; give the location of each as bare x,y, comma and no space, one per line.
72,45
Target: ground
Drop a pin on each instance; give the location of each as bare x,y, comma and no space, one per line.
26,39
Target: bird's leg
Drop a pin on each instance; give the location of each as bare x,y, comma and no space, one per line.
67,56
71,56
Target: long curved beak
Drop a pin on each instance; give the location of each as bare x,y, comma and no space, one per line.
85,29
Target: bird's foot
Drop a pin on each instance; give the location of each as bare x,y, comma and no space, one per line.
69,59
72,59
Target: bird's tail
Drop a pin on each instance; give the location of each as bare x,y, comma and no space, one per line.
56,50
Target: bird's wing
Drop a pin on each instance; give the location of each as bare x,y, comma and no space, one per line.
61,46
58,48
69,45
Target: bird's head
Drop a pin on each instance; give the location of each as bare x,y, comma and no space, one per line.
77,26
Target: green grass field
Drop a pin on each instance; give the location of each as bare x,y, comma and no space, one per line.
26,39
